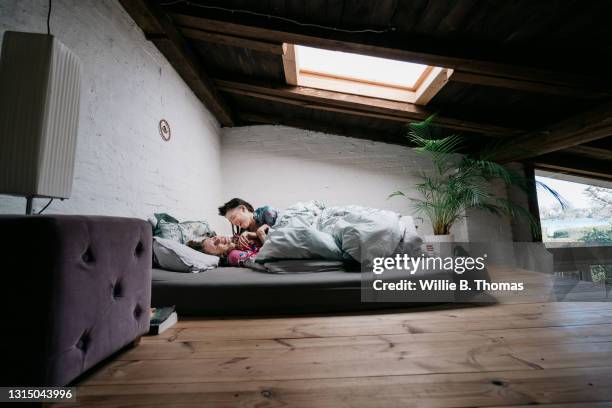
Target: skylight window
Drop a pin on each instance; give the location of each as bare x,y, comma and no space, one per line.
362,74
357,67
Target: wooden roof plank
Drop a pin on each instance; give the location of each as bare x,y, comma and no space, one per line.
583,128
471,68
562,162
232,41
571,90
594,152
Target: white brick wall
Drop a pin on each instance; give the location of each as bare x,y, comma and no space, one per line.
123,166
279,165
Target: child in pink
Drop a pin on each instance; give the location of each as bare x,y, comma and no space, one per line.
230,249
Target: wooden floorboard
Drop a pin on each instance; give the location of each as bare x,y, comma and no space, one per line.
520,387
557,355
417,343
498,317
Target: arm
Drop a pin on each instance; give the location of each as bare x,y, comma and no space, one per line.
262,232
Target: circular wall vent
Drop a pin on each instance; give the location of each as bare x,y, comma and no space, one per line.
164,129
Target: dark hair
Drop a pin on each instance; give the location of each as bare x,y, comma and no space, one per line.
233,203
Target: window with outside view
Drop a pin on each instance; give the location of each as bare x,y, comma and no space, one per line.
587,217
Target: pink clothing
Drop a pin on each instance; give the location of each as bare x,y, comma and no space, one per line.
238,257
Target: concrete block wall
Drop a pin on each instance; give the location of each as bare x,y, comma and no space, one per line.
280,165
123,167
483,226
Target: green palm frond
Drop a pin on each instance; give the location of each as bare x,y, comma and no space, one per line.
491,170
475,196
446,145
562,201
440,151
395,194
424,129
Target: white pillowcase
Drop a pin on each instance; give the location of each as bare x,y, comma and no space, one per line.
175,256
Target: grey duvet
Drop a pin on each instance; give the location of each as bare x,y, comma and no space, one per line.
352,233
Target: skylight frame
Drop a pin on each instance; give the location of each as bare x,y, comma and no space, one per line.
347,78
430,81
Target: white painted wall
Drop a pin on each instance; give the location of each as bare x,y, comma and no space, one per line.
123,167
279,165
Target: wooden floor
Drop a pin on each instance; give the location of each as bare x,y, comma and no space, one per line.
512,354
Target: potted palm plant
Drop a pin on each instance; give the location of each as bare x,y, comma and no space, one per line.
461,182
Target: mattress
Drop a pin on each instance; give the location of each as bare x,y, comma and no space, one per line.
242,291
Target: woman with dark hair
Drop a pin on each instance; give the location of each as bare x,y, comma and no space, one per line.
228,249
248,223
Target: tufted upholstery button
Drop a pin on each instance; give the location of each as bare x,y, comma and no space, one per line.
83,342
117,289
87,256
139,248
137,311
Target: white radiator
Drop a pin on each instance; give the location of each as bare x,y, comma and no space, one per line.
39,113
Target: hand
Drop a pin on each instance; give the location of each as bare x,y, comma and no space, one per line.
244,240
262,232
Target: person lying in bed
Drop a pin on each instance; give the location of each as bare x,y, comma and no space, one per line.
229,248
248,223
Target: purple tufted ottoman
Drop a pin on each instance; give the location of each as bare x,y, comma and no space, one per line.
75,289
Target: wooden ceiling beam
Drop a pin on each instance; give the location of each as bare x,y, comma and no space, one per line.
568,163
583,128
468,67
232,41
158,28
354,105
589,151
560,89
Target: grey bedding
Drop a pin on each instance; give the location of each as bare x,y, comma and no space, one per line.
310,230
310,266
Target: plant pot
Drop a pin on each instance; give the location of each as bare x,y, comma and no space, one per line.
439,245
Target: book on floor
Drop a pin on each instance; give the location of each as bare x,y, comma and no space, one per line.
162,318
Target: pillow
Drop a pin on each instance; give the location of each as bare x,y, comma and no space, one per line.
174,256
195,231
184,232
157,217
169,230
